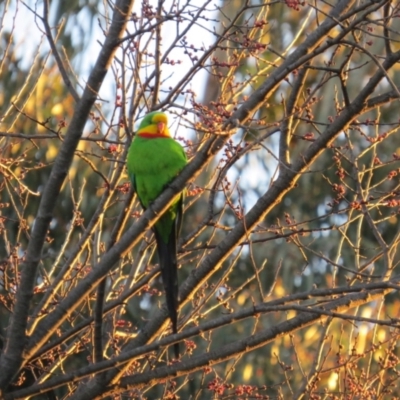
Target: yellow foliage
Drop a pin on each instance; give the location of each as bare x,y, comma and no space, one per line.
333,380
51,152
279,289
310,332
381,334
291,314
362,339
241,299
15,148
247,372
274,351
57,109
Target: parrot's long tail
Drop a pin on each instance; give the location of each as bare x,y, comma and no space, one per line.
169,273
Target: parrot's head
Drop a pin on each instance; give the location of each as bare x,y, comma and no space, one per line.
154,124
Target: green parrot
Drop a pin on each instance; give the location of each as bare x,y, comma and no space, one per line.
154,160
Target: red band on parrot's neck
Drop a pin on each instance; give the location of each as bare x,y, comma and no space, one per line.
152,135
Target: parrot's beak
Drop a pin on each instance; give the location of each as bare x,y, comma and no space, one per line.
160,127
